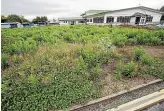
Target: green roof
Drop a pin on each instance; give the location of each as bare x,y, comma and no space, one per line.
92,12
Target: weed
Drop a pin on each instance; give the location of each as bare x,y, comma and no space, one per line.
127,70
138,53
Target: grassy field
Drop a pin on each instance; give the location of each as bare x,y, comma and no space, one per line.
55,67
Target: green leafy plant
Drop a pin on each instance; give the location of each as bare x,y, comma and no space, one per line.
127,70
146,60
138,53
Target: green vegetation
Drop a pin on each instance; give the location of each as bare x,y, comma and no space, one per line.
128,70
54,78
53,67
20,41
138,53
157,68
140,59
13,18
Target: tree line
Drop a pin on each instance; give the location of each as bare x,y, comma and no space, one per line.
22,19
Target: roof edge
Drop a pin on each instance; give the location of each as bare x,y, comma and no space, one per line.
142,7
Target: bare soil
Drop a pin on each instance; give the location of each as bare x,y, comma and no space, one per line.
111,85
153,51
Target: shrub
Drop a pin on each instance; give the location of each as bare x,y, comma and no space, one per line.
127,70
132,35
146,60
154,41
138,53
120,40
143,38
132,41
95,73
156,68
160,34
5,60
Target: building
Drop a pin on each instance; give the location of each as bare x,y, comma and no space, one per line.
71,20
53,22
11,25
134,16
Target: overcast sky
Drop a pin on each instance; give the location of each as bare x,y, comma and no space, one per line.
68,8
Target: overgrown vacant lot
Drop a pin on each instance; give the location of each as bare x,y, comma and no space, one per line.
55,67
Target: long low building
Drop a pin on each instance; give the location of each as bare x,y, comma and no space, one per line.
11,25
71,20
136,15
133,16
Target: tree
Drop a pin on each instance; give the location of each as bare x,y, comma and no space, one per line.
162,8
36,20
39,19
3,19
43,19
23,19
14,18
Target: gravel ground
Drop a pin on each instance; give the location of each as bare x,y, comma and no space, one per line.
114,102
157,107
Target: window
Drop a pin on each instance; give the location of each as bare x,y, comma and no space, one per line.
81,22
90,20
87,20
65,21
149,19
13,25
98,20
125,19
162,18
109,19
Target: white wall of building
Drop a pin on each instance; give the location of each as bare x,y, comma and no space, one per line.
132,20
20,25
61,22
67,22
8,25
90,20
156,16
5,25
130,12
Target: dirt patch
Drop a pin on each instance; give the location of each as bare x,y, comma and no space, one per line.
153,51
138,27
111,85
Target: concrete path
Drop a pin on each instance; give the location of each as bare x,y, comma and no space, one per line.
141,103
